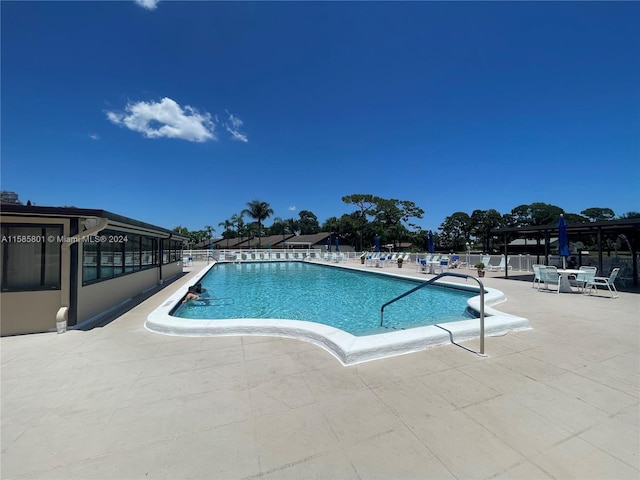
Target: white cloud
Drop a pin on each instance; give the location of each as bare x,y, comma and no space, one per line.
292,208
148,4
94,136
166,119
232,125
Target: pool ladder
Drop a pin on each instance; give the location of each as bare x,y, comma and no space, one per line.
431,281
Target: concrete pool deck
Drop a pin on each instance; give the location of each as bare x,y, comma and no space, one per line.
120,402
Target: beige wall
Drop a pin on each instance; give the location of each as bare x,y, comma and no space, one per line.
99,297
34,311
28,312
171,270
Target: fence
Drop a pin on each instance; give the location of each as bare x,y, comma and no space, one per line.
517,263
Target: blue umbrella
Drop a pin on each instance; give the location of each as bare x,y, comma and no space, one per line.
329,244
377,243
337,245
563,240
430,247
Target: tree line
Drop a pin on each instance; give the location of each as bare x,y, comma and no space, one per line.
393,221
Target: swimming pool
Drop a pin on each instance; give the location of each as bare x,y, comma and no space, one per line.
348,347
345,299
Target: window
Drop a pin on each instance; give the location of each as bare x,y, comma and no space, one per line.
89,261
112,253
31,257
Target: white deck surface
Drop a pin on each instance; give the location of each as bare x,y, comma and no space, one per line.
120,402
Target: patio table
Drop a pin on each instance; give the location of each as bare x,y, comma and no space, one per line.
565,273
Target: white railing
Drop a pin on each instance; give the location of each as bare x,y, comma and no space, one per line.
517,263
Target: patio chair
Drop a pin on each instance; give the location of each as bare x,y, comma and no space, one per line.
384,260
536,275
444,264
487,262
372,259
549,276
604,282
422,263
586,275
624,275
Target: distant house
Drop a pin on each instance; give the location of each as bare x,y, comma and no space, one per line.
271,241
68,266
320,240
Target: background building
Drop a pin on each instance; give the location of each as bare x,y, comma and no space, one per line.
64,267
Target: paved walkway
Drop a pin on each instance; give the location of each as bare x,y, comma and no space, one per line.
118,402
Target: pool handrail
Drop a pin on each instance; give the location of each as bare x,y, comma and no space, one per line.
430,282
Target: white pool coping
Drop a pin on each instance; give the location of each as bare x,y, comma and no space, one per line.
347,348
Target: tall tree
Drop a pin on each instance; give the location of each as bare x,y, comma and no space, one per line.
308,223
482,222
631,214
227,225
536,214
455,230
366,204
259,211
596,214
238,222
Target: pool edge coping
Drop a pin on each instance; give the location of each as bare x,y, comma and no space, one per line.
347,348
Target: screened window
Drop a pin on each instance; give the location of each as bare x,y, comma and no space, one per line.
112,253
31,257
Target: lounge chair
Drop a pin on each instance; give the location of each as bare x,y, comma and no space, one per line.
373,258
487,262
384,259
501,265
604,282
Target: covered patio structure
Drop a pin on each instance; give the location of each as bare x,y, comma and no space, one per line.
629,228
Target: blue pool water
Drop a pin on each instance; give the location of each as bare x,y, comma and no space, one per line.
345,299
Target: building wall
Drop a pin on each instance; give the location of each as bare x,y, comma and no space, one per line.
33,311
28,312
99,298
171,270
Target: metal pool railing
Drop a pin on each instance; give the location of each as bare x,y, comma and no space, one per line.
430,282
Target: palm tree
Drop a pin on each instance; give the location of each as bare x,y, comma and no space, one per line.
259,211
227,224
238,222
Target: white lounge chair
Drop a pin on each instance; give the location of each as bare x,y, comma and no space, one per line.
501,266
604,282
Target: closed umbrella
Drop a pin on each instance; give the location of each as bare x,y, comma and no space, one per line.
563,241
377,244
337,245
430,247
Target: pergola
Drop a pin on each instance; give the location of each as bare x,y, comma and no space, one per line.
629,227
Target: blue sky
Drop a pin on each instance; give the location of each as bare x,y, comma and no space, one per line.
179,113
